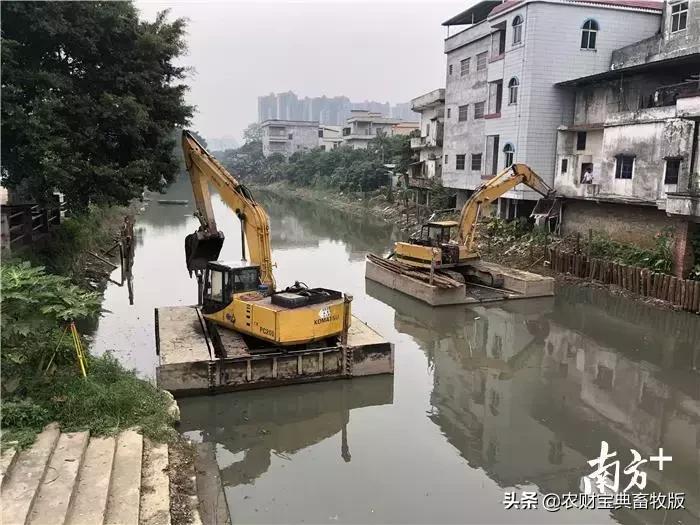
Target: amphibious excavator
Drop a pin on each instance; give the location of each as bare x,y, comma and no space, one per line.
437,246
241,295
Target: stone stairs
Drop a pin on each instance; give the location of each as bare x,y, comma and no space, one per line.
74,479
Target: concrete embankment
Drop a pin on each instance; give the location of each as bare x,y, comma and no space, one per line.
75,478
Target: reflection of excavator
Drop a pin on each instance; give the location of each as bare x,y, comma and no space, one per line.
434,247
241,295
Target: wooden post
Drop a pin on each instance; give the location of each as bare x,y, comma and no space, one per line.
671,289
590,243
696,297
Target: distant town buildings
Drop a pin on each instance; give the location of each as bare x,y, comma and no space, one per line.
288,136
363,126
333,111
329,137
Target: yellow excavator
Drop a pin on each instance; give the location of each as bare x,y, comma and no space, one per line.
241,295
436,245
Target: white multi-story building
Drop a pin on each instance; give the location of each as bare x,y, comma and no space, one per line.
502,102
288,136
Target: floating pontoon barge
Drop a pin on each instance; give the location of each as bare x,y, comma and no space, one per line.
196,358
440,288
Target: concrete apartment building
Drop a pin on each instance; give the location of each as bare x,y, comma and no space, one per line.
363,126
289,136
502,102
428,145
329,137
635,127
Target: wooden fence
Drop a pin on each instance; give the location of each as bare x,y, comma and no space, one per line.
684,293
24,224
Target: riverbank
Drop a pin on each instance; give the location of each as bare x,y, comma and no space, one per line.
42,379
374,204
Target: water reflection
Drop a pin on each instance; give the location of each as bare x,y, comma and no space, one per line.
258,424
527,390
484,397
291,218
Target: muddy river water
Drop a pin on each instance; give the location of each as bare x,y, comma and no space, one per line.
516,396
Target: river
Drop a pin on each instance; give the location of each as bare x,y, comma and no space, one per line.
485,399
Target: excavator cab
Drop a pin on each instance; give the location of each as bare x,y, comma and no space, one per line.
436,233
224,279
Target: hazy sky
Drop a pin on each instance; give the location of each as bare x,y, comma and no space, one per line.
387,50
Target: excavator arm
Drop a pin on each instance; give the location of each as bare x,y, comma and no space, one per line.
492,190
205,244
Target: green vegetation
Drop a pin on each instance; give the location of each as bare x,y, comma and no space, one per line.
341,169
41,379
91,96
518,239
659,258
65,252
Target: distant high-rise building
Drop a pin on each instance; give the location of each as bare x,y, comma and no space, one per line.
333,111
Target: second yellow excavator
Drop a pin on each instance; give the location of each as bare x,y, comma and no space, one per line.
436,245
241,295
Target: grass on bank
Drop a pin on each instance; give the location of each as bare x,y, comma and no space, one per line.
110,399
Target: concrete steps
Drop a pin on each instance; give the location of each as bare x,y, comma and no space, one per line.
73,479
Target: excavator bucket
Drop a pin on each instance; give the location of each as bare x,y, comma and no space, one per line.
200,248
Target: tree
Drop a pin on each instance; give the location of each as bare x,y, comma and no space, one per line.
253,133
90,100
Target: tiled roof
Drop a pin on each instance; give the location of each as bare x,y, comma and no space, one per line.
638,4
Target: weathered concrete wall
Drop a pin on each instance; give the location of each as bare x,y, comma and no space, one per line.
464,138
649,141
665,45
622,222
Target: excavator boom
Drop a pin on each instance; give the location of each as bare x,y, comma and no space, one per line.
205,245
491,190
434,249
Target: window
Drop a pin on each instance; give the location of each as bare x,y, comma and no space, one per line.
679,16
479,110
290,136
673,166
481,59
464,67
449,69
320,133
581,140
588,34
509,152
427,129
495,97
346,132
460,162
624,167
463,112
476,161
449,112
586,173
323,148
564,165
446,160
513,90
517,30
